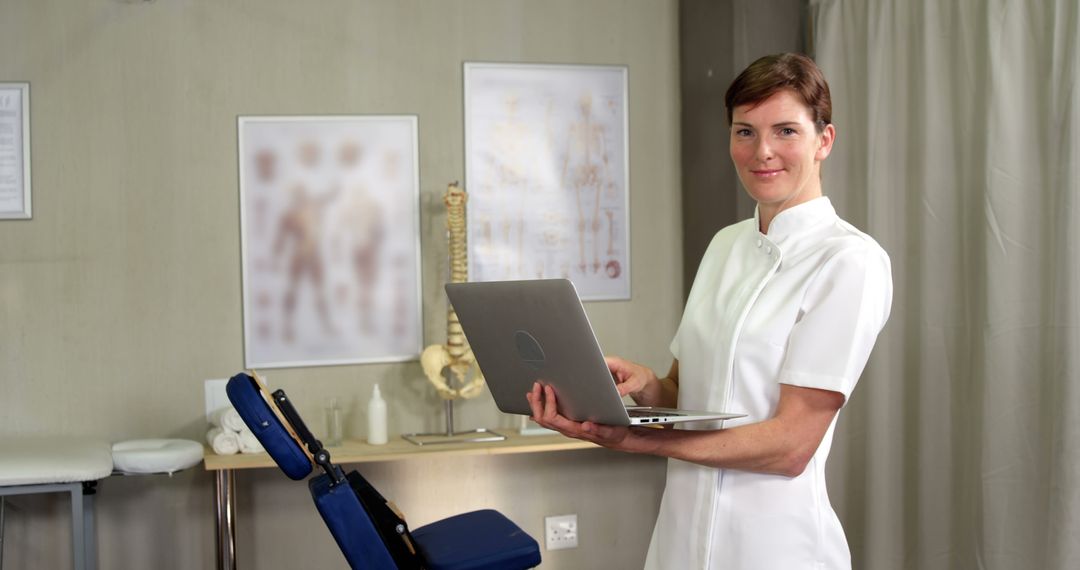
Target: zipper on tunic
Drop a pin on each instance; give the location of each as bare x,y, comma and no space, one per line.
730,395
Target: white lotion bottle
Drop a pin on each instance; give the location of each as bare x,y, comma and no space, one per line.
376,418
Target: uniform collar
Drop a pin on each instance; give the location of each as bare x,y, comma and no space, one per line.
796,219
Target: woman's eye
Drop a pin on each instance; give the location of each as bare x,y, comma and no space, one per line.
743,132
788,131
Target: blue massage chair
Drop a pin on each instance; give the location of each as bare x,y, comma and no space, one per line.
369,530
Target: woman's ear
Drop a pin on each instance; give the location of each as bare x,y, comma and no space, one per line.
826,139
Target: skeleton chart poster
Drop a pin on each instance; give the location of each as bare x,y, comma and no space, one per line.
330,240
546,169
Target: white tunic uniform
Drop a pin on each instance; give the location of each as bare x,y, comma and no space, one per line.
802,305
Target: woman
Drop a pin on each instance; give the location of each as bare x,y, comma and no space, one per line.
780,321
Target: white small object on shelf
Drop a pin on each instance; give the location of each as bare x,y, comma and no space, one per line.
529,427
334,428
376,418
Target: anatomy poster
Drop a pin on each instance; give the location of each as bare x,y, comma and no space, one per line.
546,170
331,250
14,151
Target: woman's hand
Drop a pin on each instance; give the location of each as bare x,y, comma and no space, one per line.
545,412
641,383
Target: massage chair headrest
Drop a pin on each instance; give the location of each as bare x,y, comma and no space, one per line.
253,403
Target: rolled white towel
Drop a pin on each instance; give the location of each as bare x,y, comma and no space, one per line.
228,418
248,442
223,441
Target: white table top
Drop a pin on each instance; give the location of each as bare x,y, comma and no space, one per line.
56,459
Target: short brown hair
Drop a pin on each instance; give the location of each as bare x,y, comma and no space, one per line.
771,74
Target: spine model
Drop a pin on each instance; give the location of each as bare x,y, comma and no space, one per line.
455,355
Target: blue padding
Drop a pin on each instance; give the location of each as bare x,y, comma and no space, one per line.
245,397
480,540
350,524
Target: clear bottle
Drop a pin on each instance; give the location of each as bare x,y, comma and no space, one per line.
376,418
334,427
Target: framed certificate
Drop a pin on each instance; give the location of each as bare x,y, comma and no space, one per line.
15,151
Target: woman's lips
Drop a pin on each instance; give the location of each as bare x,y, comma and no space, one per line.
766,173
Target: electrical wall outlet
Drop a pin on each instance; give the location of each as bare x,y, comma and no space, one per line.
560,532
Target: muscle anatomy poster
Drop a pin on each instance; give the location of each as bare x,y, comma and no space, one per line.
330,239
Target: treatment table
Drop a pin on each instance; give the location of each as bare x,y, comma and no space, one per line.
32,465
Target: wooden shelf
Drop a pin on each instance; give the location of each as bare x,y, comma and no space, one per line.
356,451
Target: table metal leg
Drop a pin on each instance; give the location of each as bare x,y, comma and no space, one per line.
83,539
224,510
3,503
78,531
89,489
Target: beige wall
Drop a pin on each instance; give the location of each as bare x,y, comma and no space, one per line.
123,293
717,40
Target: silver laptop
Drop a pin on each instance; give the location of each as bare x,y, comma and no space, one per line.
527,331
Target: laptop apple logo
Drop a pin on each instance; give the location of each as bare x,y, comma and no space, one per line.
529,350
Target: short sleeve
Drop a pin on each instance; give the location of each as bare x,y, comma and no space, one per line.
842,312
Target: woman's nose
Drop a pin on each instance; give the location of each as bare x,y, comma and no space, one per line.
763,152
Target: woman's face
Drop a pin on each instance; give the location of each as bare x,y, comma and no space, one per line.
778,152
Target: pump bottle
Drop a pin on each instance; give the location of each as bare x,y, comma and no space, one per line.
376,418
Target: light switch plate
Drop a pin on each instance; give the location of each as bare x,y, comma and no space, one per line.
216,398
